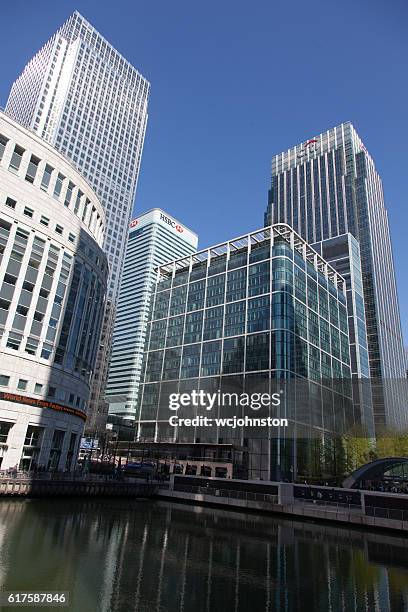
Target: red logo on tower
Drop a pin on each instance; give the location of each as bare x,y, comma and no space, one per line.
309,145
133,223
172,223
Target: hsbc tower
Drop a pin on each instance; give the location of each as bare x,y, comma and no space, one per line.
155,237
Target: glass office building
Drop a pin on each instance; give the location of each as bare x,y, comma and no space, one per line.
326,187
82,96
343,253
264,311
154,238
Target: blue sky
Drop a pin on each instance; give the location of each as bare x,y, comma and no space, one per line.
234,82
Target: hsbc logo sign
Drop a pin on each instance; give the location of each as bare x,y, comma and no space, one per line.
172,223
154,216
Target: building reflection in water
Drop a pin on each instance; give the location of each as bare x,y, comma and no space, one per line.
154,556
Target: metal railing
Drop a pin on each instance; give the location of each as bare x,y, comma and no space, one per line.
67,476
231,494
308,504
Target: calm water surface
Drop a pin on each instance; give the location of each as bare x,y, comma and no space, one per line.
156,556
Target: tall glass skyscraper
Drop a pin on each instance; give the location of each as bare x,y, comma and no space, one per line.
154,238
326,187
82,96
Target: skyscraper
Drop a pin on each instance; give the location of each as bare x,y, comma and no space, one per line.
83,97
326,187
154,238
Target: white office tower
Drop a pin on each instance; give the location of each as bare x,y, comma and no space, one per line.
154,238
79,94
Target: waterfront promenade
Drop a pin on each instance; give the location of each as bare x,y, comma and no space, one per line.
358,508
45,484
349,506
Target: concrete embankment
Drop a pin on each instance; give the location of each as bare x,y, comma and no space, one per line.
282,501
86,487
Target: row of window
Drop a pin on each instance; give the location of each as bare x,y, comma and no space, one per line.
285,292
39,389
28,309
29,212
260,254
280,350
64,190
32,446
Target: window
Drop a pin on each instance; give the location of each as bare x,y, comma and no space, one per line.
11,203
234,319
28,286
10,279
4,304
58,185
16,159
38,316
33,435
258,278
178,300
22,384
32,169
38,388
68,195
215,290
28,212
4,380
4,431
44,220
213,323
257,352
14,341
22,310
233,355
211,358
193,327
171,364
196,294
3,144
31,346
45,181
71,237
59,229
52,392
190,363
236,285
78,201
46,351
258,314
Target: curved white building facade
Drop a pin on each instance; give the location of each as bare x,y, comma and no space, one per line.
53,276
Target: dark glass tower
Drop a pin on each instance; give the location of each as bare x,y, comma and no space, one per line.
326,187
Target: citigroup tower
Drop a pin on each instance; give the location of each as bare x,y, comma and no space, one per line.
326,187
